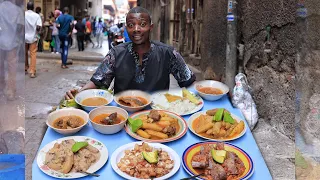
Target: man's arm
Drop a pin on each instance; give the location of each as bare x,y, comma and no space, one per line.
102,78
71,26
104,75
39,24
180,70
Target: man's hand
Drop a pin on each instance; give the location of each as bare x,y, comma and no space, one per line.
70,94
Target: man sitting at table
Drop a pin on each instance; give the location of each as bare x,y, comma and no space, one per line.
141,64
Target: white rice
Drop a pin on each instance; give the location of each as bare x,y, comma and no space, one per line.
179,106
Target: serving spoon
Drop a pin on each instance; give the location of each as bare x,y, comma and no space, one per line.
91,174
192,177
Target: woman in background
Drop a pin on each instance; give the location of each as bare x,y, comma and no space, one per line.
100,26
55,32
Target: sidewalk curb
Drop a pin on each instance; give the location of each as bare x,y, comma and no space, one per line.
196,71
73,57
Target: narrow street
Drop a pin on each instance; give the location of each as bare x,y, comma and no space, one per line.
43,93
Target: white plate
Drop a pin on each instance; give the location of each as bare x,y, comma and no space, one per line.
119,153
196,115
160,102
93,168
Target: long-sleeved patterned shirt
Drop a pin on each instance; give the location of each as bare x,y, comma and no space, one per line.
177,67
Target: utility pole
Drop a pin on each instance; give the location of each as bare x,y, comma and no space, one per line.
231,51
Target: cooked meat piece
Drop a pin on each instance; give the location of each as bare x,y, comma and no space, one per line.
206,149
231,155
220,146
211,112
92,149
110,119
154,115
62,124
199,161
218,173
113,116
73,122
170,131
240,166
230,165
84,158
68,143
131,101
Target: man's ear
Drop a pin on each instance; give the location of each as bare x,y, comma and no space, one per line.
151,27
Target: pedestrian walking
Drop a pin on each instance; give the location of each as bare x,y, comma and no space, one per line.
65,25
100,26
81,28
93,26
88,32
42,30
74,35
33,25
55,33
11,33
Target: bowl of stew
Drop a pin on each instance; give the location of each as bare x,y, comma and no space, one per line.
211,90
92,98
67,121
108,119
132,100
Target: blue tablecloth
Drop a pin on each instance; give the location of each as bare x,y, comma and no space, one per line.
112,142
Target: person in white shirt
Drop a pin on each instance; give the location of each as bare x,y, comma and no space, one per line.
33,25
11,33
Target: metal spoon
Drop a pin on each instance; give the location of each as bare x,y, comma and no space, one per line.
192,177
91,174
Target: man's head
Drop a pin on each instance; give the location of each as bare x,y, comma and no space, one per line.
30,6
139,25
38,10
56,13
65,10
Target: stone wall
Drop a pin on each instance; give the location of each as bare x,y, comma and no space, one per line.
214,35
270,74
308,74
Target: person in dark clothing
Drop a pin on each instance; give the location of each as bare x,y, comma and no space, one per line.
65,24
93,26
81,29
41,32
141,64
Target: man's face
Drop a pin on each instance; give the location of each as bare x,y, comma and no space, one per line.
138,27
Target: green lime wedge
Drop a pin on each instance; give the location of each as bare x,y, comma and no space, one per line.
79,145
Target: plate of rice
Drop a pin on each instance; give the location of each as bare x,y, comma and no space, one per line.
177,102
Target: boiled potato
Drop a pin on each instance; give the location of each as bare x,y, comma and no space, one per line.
143,134
238,129
151,126
157,134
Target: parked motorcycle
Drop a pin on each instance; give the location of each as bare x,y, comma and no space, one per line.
117,39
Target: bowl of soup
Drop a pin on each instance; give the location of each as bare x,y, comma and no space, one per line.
67,121
211,90
92,98
108,119
132,100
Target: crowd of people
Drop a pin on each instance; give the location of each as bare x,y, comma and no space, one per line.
61,31
84,30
